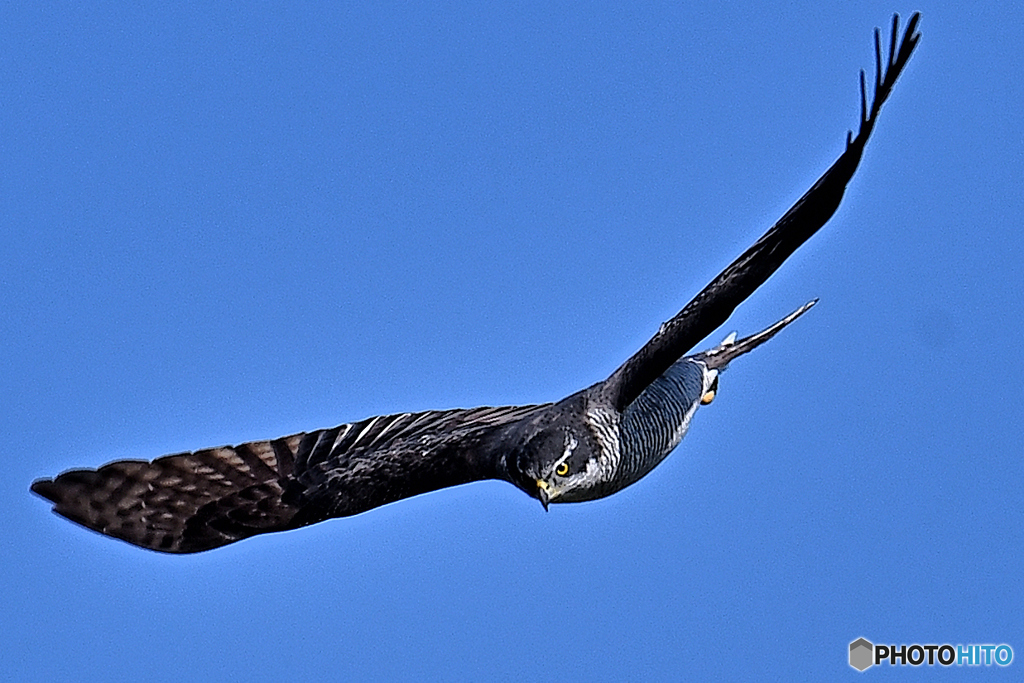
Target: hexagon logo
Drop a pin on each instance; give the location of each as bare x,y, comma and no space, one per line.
861,654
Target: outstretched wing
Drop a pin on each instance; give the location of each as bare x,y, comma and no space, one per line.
190,502
716,302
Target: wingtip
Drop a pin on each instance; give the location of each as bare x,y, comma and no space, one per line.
911,32
44,488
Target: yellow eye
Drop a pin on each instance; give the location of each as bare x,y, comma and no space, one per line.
562,469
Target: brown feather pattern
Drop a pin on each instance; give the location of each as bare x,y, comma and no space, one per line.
189,502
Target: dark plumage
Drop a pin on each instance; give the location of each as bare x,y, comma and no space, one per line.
586,446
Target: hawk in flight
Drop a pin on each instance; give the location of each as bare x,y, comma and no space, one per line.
586,446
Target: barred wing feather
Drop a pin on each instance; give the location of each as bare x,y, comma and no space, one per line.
190,502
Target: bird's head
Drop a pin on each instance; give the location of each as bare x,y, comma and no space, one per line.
558,463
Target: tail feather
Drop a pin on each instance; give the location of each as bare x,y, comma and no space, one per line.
730,348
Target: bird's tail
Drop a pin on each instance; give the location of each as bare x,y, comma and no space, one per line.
730,348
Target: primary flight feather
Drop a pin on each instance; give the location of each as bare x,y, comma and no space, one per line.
586,446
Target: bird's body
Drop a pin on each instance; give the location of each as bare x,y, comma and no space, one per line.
586,446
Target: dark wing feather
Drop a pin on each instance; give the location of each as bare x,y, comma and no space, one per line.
716,302
190,502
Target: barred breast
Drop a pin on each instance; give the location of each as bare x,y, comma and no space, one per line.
657,420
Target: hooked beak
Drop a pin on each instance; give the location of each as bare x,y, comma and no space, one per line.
543,494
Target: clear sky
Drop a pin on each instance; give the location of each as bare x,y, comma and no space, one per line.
224,222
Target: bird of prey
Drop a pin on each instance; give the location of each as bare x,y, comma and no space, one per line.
586,446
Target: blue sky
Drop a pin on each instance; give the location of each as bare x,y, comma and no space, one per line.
221,224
